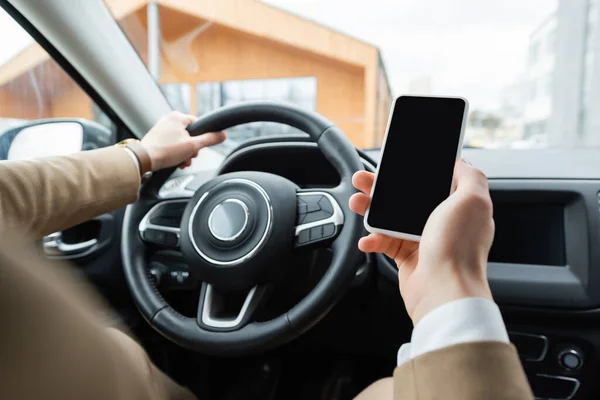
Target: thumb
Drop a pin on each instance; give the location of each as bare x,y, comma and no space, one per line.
468,178
208,139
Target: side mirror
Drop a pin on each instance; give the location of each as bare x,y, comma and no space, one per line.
52,137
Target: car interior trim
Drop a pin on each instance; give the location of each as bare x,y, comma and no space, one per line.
55,248
544,351
575,381
146,224
176,187
209,319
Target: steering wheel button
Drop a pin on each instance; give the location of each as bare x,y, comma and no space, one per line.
302,208
160,237
171,239
172,222
304,236
312,203
325,205
313,207
149,234
328,230
316,216
316,233
300,218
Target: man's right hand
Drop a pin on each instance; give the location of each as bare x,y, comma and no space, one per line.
450,261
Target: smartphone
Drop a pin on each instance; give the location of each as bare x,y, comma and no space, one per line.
422,143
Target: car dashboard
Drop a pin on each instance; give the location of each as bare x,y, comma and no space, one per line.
544,266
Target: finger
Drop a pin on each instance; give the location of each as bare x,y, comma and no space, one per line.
184,119
359,202
468,178
405,250
185,164
454,178
188,119
378,243
455,173
176,115
208,139
363,181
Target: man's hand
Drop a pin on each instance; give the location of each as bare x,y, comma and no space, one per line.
169,144
450,261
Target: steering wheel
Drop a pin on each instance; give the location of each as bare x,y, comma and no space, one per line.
237,235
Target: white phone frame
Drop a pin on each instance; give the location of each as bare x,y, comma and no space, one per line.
402,235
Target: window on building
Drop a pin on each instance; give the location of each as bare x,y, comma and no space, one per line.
301,92
551,42
534,51
535,128
533,90
298,91
588,63
548,82
592,11
178,96
591,21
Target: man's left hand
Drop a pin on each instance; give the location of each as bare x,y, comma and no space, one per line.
169,144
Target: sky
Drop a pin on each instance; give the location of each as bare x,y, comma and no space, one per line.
472,48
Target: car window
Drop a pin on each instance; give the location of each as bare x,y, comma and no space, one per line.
526,67
33,86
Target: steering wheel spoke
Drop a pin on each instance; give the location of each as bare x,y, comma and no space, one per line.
218,311
160,225
319,217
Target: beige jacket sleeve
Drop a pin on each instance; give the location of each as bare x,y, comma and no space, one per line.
46,195
52,346
471,371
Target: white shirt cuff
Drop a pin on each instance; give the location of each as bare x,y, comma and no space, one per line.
460,321
404,353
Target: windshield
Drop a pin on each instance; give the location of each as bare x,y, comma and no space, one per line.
527,67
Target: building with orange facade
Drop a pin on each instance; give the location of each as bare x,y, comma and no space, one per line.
208,53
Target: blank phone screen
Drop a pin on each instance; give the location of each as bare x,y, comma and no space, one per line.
417,165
